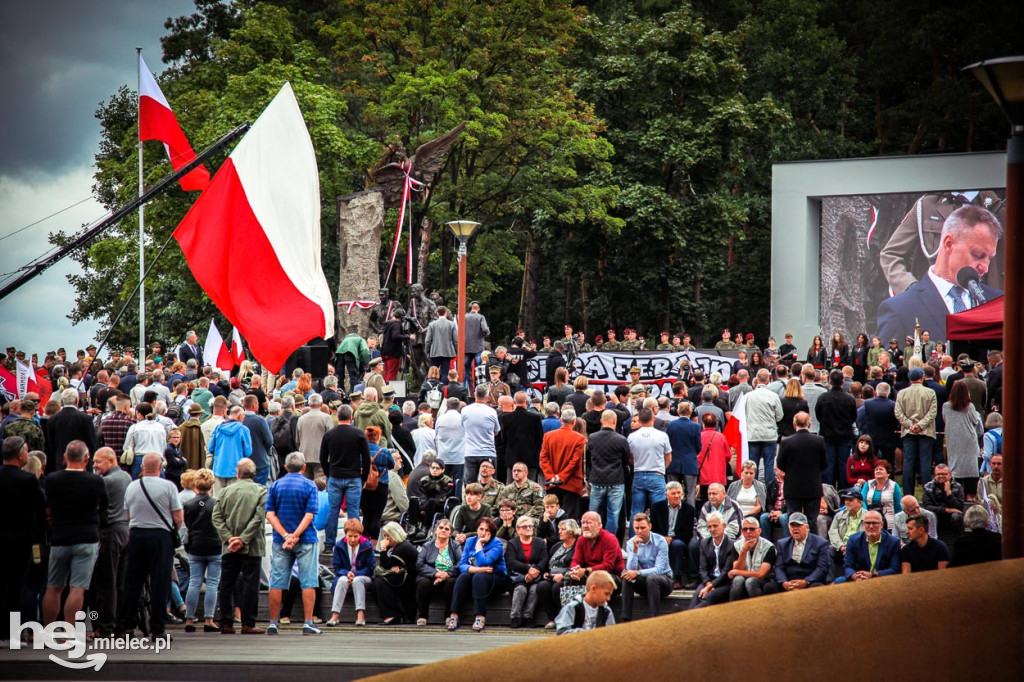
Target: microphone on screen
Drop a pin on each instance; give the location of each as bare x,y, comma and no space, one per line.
968,277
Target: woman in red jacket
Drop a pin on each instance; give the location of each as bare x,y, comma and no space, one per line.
713,457
860,466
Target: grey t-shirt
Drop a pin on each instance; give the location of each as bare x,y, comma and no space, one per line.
117,481
480,422
140,511
649,447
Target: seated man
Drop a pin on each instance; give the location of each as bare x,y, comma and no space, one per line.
870,553
752,573
731,515
528,495
492,486
912,508
547,529
590,610
846,523
672,518
717,555
944,497
597,550
802,559
922,553
647,568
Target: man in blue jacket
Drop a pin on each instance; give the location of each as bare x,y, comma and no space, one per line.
870,553
229,443
802,559
684,437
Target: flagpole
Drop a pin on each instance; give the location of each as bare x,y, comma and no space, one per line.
142,207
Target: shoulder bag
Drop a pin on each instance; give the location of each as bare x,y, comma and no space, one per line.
175,538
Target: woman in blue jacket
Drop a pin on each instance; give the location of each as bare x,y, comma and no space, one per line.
481,571
354,562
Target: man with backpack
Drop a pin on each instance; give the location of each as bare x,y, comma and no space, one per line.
282,429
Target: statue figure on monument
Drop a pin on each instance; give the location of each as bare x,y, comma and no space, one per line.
379,314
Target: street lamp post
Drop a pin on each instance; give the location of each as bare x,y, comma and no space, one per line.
1004,80
463,230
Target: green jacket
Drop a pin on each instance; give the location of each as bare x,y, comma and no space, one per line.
370,413
241,510
27,429
356,345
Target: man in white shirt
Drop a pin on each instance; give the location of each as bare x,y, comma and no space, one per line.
652,454
450,437
480,422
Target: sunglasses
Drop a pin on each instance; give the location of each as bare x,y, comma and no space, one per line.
748,530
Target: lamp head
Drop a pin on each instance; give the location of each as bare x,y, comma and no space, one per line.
1004,80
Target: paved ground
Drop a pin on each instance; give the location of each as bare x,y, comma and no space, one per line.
349,651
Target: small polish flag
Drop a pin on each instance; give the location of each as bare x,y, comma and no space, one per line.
215,351
264,202
157,122
237,351
735,432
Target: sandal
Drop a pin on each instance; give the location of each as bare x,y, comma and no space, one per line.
478,624
453,623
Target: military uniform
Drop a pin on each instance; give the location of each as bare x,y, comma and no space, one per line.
529,499
612,344
27,429
726,345
911,249
630,344
663,346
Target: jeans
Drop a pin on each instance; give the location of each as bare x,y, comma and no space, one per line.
349,489
838,452
481,586
469,360
610,498
359,584
197,567
243,571
348,362
282,560
689,483
766,525
648,488
917,452
263,476
763,450
456,471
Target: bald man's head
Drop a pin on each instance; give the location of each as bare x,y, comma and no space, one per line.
151,464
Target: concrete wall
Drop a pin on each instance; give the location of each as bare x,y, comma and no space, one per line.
958,624
797,189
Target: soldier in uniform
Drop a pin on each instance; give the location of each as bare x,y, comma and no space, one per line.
685,344
598,343
8,360
611,344
631,343
156,352
908,351
664,345
750,346
25,427
634,378
911,249
581,339
726,342
116,360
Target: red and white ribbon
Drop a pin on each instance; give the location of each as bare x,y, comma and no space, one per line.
874,224
352,305
410,185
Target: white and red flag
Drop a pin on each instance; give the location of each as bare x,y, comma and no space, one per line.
263,208
237,351
157,122
215,351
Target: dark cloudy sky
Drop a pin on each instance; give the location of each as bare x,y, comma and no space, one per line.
58,60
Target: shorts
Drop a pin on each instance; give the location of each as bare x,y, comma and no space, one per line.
74,562
282,560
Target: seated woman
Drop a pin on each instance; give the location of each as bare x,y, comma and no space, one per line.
395,577
526,557
748,492
861,464
354,562
436,569
481,572
882,494
434,490
559,560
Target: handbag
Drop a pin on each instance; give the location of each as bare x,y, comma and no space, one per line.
373,479
128,456
175,538
275,463
570,590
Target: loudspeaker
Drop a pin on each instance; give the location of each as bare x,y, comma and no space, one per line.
311,358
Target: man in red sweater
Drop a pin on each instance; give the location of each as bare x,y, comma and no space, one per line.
561,461
597,550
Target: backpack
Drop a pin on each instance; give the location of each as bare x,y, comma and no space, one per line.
284,434
434,397
175,413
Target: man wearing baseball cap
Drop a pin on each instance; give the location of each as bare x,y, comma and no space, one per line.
802,559
845,524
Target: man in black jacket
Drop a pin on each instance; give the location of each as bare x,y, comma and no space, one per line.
879,422
66,426
345,454
802,457
717,554
673,519
554,361
836,411
392,346
521,436
22,521
607,461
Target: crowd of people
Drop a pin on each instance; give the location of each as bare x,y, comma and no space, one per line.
122,479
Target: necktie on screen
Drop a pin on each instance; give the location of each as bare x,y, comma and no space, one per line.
957,294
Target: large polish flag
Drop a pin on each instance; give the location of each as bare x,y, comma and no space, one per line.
252,239
157,122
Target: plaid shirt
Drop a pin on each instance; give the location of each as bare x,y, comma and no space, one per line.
113,430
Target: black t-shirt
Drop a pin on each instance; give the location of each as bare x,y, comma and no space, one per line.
925,558
78,504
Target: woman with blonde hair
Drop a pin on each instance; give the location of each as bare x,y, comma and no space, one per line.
204,553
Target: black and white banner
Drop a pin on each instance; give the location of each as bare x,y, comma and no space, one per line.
658,369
